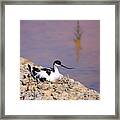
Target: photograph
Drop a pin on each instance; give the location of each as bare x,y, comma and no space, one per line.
59,59
55,59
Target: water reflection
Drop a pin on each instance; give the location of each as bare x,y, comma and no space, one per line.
77,42
77,49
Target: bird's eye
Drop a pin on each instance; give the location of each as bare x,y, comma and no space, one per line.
58,62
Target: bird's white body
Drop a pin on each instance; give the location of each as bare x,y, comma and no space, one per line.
49,74
53,76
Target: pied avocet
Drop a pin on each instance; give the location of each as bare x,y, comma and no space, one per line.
49,74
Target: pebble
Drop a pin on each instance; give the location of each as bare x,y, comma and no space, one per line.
62,89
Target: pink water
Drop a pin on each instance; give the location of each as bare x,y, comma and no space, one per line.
44,41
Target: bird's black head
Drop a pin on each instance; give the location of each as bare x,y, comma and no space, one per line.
57,63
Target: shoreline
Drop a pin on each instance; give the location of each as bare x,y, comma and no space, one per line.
61,89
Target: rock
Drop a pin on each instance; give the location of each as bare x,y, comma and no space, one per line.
61,89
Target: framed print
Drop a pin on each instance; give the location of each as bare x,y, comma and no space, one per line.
59,59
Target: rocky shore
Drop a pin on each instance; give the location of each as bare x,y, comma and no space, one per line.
62,89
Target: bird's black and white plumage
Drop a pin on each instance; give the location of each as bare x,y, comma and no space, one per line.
49,74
